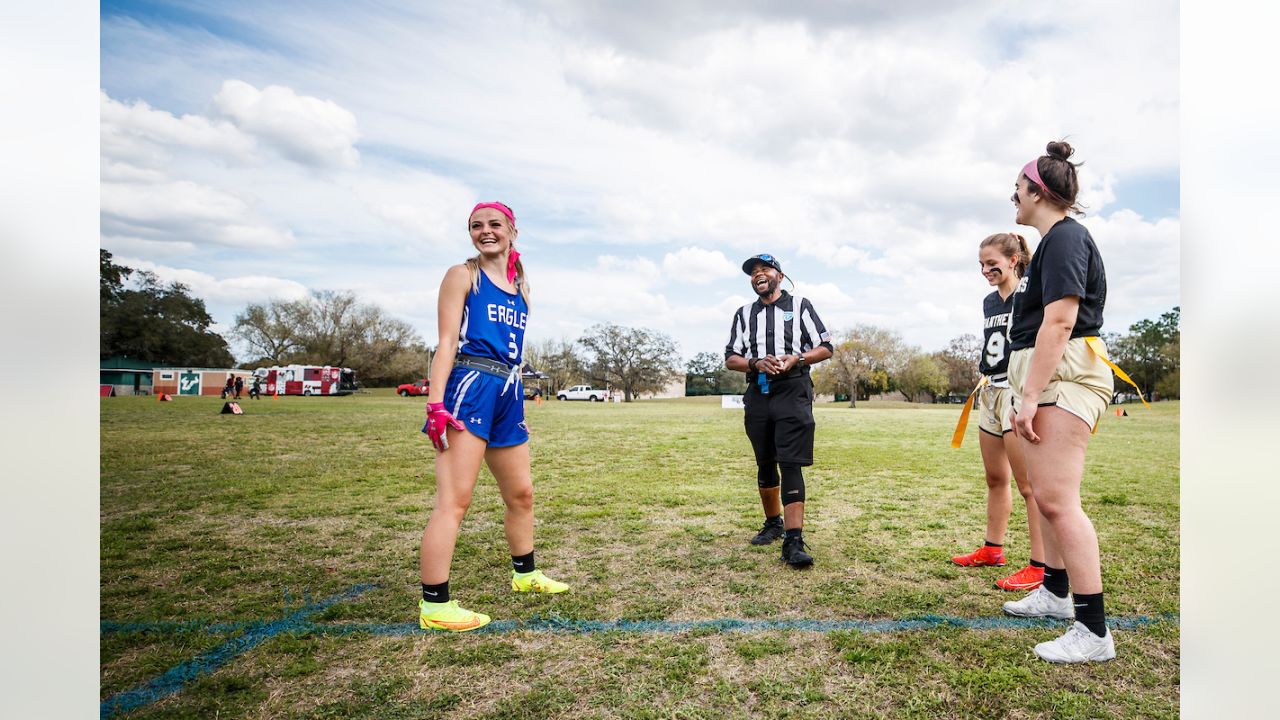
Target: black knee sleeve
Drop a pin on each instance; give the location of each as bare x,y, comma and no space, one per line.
767,476
792,483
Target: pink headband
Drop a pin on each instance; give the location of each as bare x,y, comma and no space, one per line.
496,206
1033,173
515,255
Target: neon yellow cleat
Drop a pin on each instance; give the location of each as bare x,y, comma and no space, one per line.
535,582
448,616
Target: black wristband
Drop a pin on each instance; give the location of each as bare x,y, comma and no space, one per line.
799,360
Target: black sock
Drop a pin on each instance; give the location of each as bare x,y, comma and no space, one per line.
773,520
1090,613
523,563
794,533
436,593
988,543
1055,581
1037,563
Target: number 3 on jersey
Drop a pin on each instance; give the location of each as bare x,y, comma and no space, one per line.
995,349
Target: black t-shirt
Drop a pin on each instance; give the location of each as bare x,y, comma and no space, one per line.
995,330
1066,263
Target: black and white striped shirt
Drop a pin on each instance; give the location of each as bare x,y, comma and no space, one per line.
789,326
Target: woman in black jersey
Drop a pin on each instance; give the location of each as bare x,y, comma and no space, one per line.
1060,387
1003,258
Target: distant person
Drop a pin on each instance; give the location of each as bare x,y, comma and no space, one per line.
475,412
255,390
1003,258
774,340
230,387
1061,386
239,386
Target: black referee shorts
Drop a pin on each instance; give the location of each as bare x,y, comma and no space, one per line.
780,424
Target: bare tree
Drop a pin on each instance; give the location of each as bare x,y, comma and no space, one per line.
960,362
272,331
864,361
634,359
559,360
334,328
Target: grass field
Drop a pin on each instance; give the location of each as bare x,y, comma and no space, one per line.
215,525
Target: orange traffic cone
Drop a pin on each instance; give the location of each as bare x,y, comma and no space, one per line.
1118,411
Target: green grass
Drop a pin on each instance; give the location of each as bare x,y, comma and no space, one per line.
645,508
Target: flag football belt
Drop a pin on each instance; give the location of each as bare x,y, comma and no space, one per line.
1095,346
500,370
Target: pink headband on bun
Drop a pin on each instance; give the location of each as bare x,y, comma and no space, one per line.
515,255
1033,173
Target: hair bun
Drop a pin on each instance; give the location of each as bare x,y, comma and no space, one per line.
1059,149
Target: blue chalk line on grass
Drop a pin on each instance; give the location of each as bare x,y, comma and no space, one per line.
251,634
554,624
254,634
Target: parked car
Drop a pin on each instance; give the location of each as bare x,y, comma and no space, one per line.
583,392
417,387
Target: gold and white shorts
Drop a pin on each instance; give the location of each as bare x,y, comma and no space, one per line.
1082,384
993,409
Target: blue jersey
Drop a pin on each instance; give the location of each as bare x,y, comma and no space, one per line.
493,323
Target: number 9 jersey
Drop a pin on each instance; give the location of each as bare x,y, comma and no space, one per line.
493,322
995,340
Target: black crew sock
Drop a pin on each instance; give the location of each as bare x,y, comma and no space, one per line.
1037,563
523,563
795,534
1089,612
436,593
774,520
1055,581
988,543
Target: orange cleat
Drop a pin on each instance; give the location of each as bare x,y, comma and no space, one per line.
1028,578
983,556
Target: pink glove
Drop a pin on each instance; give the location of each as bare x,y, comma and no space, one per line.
437,419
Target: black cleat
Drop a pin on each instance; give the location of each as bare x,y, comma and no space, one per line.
768,533
793,552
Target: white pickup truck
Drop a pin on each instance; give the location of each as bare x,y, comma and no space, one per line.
583,392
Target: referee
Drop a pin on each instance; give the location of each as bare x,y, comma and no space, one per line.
774,340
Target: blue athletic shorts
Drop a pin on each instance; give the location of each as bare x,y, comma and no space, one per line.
477,400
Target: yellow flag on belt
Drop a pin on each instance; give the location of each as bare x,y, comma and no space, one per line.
1095,344
958,436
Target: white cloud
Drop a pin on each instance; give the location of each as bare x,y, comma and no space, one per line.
305,129
429,208
139,135
185,211
646,151
239,290
697,266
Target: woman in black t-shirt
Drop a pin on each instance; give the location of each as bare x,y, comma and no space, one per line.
1060,390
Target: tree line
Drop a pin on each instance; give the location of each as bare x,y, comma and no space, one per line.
144,318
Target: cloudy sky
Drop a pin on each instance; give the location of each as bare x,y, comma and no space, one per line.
258,150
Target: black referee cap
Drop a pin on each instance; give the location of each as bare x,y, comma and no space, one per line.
765,258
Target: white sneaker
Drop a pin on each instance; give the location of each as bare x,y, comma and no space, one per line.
1078,644
1041,603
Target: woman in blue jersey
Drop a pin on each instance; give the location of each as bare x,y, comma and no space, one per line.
1061,386
475,413
1003,258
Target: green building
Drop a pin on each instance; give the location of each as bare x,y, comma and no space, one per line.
127,376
